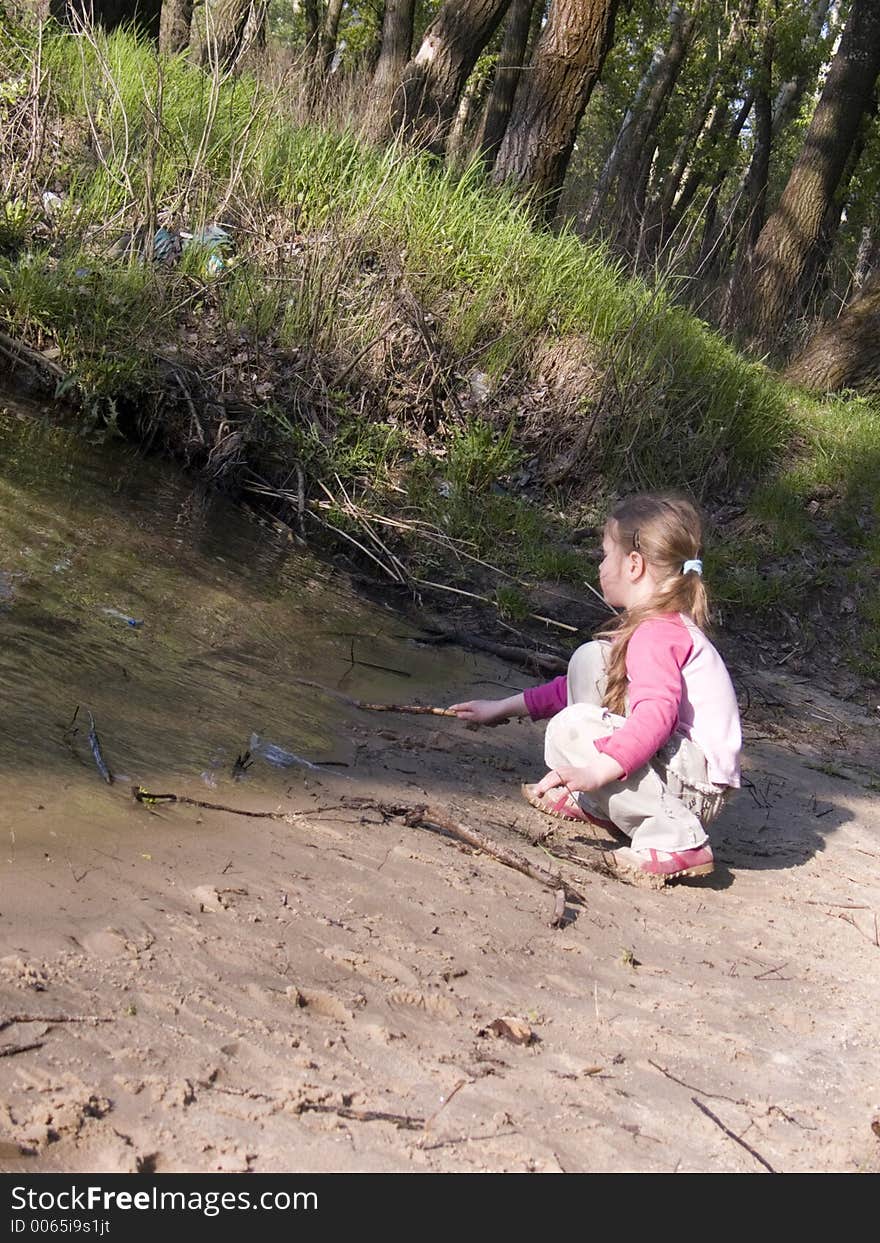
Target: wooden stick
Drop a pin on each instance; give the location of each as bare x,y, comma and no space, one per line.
51,1018
10,1049
33,357
433,818
472,595
145,796
849,919
716,1096
529,658
414,709
731,1135
403,1121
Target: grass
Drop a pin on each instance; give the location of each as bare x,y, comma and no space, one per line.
364,290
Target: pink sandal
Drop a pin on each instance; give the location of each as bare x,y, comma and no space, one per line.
699,861
559,802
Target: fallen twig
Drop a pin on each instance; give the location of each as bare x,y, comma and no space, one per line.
403,1121
31,358
51,1018
544,661
145,796
473,595
432,818
715,1096
849,919
461,1083
10,1049
731,1135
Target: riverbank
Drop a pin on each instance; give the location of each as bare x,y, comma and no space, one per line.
330,983
393,363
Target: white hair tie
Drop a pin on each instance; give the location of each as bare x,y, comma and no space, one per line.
696,566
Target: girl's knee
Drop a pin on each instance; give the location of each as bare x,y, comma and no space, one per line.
587,673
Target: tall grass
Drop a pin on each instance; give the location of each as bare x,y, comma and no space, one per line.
158,139
396,278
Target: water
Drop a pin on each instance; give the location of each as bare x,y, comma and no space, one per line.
181,624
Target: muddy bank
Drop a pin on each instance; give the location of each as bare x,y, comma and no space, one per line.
184,989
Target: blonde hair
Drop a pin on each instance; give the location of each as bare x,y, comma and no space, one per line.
667,531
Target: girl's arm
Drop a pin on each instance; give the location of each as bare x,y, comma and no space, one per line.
538,702
490,711
655,657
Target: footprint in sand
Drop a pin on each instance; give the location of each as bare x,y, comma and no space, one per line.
324,1005
379,968
431,1003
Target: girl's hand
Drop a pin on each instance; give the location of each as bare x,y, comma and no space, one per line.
481,711
593,776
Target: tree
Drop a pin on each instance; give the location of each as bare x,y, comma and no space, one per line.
793,230
638,155
394,54
312,19
433,80
792,91
511,59
551,100
844,353
231,27
175,26
639,122
330,31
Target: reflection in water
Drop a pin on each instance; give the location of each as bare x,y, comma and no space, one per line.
230,613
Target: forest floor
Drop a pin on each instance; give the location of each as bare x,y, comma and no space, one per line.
320,994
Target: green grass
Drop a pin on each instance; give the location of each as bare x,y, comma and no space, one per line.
380,282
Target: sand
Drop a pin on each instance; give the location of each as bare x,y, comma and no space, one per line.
321,993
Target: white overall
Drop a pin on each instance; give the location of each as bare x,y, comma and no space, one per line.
665,805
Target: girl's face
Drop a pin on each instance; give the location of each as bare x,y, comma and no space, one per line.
620,571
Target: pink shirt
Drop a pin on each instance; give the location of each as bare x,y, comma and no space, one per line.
678,683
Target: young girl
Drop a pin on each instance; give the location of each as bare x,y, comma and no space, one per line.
645,733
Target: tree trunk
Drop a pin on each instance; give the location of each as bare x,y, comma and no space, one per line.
312,16
457,141
511,59
551,99
711,233
330,31
231,27
708,121
793,230
814,282
790,94
743,225
868,254
433,80
615,157
759,165
396,49
174,30
631,186
844,353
